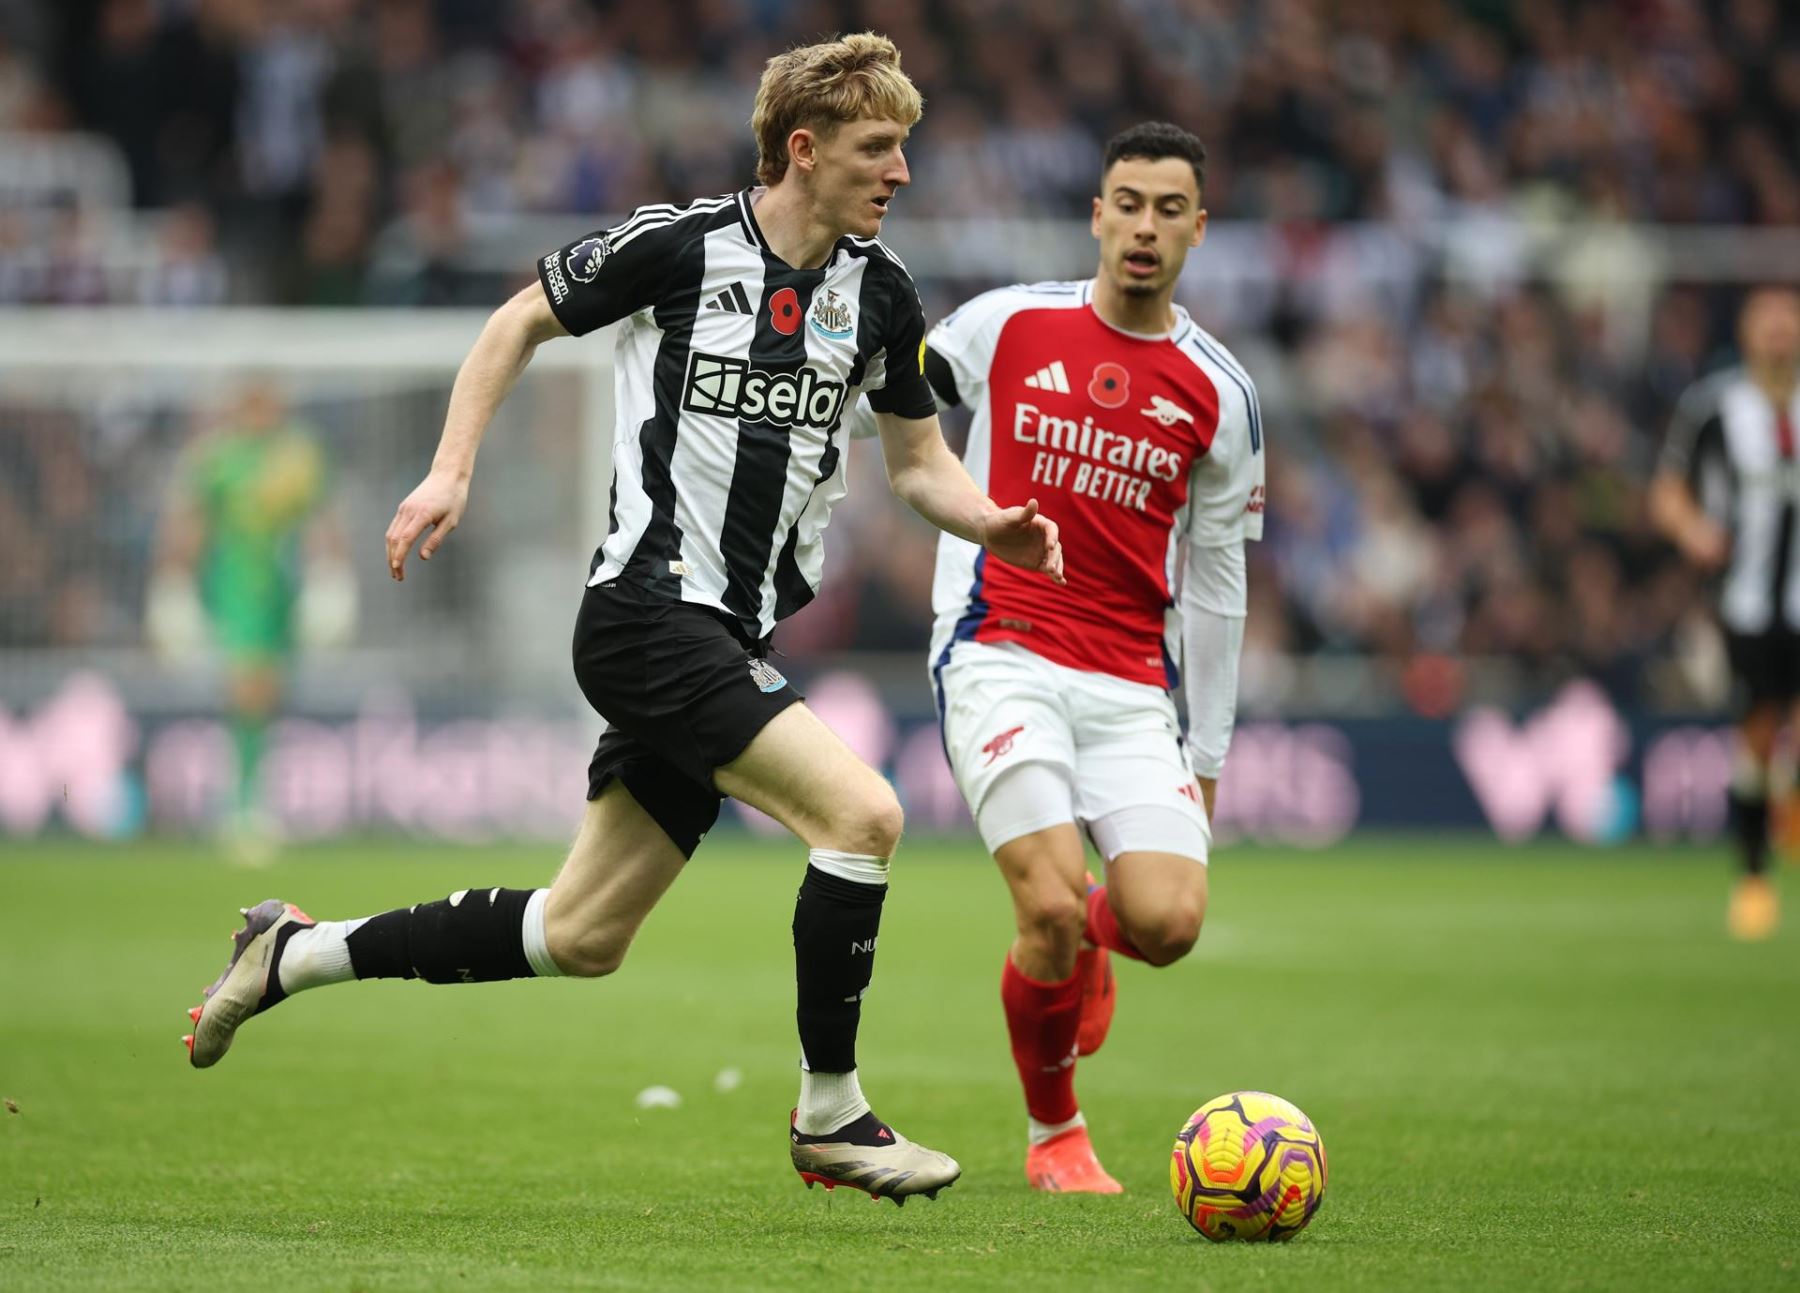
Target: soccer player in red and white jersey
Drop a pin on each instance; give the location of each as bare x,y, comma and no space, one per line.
1141,434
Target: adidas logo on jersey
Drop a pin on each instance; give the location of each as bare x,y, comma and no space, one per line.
733,300
1054,378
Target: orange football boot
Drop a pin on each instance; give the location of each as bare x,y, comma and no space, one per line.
1065,1164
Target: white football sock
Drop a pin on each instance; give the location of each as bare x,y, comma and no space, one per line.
317,956
1042,1131
828,1101
537,943
858,868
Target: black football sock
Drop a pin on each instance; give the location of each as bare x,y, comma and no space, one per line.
475,936
1750,824
835,925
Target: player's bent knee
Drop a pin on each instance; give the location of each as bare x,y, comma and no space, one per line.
1170,936
1051,917
588,955
872,825
887,823
1053,907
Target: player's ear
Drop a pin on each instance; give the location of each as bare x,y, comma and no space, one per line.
803,150
1199,228
1094,221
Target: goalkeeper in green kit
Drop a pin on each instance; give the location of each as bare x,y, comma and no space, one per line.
246,505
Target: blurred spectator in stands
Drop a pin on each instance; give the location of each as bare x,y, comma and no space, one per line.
335,237
187,269
414,258
1450,367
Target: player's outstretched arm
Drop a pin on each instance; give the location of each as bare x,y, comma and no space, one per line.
927,477
505,346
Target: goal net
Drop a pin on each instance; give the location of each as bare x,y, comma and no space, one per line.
98,413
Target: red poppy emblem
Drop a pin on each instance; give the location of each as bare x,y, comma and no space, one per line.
1111,385
784,311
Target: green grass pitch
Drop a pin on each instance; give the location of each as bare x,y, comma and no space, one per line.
1533,1069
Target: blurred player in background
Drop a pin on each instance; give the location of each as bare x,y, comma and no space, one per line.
247,552
752,322
1142,435
1726,490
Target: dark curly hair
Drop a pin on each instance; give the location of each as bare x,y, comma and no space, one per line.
1154,140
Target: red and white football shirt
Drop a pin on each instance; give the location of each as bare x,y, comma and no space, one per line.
1131,444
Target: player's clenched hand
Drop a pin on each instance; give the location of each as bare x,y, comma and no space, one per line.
1020,537
437,504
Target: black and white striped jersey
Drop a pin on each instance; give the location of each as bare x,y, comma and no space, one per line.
734,371
1737,450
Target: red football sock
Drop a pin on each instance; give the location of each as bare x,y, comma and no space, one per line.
1103,926
1043,1019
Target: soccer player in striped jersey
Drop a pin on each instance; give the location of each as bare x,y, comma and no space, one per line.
749,323
1142,434
1726,490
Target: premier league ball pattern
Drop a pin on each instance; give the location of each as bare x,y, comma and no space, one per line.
1248,1166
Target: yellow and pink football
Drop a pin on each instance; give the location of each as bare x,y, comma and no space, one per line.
1248,1165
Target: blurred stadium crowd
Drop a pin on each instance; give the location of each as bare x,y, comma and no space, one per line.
1460,447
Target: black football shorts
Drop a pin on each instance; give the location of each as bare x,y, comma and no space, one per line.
682,692
1765,666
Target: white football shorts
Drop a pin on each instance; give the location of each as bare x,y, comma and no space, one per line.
1113,747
